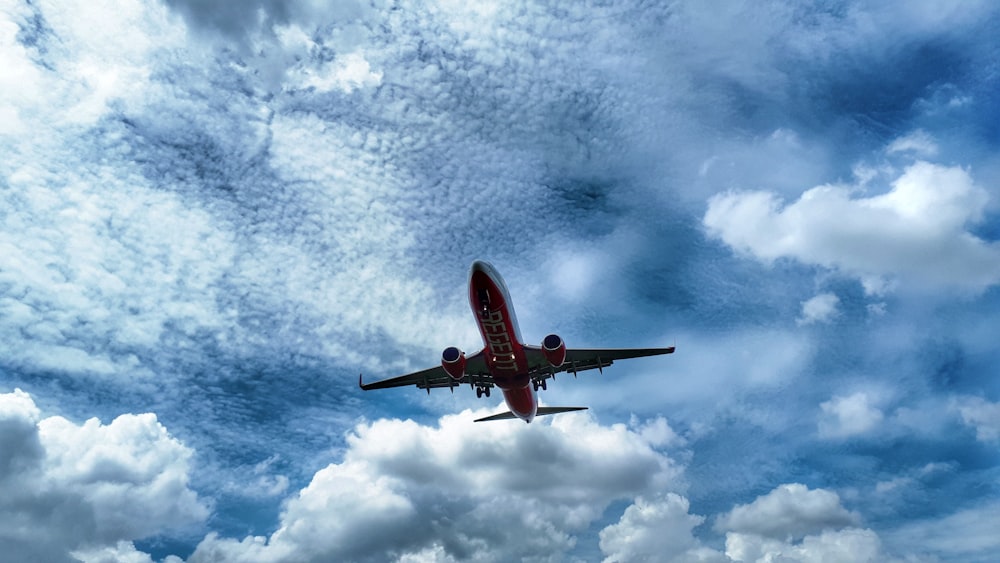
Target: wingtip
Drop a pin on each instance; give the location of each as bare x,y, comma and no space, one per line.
360,384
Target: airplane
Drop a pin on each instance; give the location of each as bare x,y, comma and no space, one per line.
519,370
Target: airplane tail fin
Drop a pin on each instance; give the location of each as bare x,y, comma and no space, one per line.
542,411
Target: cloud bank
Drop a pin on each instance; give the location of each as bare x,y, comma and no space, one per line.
89,488
458,490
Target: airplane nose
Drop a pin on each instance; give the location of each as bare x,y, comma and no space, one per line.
482,267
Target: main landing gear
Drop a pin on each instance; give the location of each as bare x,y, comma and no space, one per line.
482,390
540,384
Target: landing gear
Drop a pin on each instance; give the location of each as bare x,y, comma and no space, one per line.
539,384
484,303
482,390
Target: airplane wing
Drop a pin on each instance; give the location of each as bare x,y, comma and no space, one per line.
581,359
432,378
577,360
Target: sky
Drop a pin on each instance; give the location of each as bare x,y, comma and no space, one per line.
215,215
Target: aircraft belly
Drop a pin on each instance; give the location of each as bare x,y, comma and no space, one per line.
521,402
515,381
503,352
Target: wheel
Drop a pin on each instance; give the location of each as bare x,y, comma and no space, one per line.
479,392
487,391
534,385
545,385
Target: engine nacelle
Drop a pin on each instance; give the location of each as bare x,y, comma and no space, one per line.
453,362
554,349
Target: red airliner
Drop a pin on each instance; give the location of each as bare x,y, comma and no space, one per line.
518,369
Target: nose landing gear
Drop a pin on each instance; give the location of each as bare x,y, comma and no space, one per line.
482,390
484,303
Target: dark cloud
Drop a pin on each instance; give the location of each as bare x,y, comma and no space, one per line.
248,19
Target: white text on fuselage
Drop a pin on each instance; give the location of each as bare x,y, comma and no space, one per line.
498,341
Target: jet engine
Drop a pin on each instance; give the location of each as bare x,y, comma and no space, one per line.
453,362
554,349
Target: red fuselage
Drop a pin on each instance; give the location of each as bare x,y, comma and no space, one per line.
502,345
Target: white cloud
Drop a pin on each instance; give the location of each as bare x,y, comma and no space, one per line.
91,488
122,552
919,142
789,512
819,309
657,432
791,523
851,544
85,71
968,534
982,415
421,492
85,257
363,285
656,529
795,523
916,232
96,260
853,415
346,73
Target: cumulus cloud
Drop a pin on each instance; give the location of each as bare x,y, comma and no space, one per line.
91,488
791,523
122,552
656,529
842,417
852,544
916,233
819,309
788,512
415,492
796,523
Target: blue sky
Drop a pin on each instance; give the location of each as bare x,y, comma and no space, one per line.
214,217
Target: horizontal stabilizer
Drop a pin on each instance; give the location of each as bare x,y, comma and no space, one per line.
542,411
